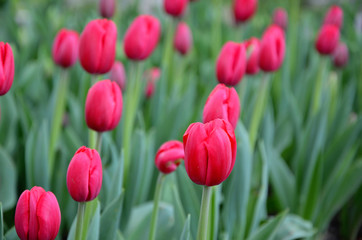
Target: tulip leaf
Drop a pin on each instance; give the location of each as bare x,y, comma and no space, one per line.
185,235
94,226
110,218
1,222
294,227
8,122
7,181
11,234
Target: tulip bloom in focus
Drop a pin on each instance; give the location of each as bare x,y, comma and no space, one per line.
252,51
327,40
244,9
169,156
340,55
334,16
97,46
37,215
118,75
175,8
280,18
151,77
210,151
231,63
65,48
6,68
107,8
183,38
223,103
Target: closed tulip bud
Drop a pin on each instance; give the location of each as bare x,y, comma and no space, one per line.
340,55
6,68
231,63
210,151
334,16
142,37
107,8
103,106
327,40
151,77
223,103
97,46
280,18
175,8
65,48
37,215
118,75
169,156
183,38
84,175
244,9
252,51
272,49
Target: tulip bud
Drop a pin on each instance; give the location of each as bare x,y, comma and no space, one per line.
175,8
151,76
103,106
107,8
334,16
169,156
223,103
118,75
37,215
280,18
231,63
244,9
6,68
272,49
252,51
142,37
97,46
65,48
327,40
84,175
340,55
210,151
183,38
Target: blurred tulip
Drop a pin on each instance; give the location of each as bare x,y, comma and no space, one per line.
6,68
183,38
107,8
65,48
151,77
334,16
244,9
118,75
272,49
340,55
103,106
327,40
252,51
84,175
280,18
169,155
231,63
210,151
142,37
37,215
97,46
175,8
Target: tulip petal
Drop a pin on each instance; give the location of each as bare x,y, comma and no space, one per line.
22,214
48,216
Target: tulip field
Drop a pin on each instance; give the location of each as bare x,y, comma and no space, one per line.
180,119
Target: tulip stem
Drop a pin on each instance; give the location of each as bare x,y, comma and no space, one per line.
156,200
99,142
216,28
318,86
80,220
204,214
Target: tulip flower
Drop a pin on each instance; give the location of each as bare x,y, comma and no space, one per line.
340,55
223,103
151,77
65,48
244,9
107,8
327,39
272,49
252,51
37,215
118,75
103,106
183,38
334,16
280,18
142,37
175,8
6,68
97,46
231,63
169,155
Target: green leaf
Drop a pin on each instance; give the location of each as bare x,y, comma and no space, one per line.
294,227
11,234
94,226
8,178
110,218
1,222
185,235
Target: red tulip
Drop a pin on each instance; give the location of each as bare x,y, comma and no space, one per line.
327,40
175,8
142,37
151,76
6,68
103,106
272,49
107,8
37,215
65,48
340,55
280,18
118,75
231,63
244,9
97,46
252,50
210,151
223,103
334,16
84,175
169,155
183,38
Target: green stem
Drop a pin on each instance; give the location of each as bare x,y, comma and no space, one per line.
204,214
99,142
242,90
216,28
318,86
156,200
80,221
